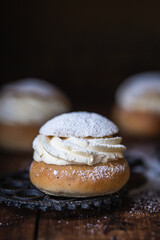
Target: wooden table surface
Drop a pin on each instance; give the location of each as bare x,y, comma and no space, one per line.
138,218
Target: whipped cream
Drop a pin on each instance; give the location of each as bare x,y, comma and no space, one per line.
140,92
74,150
26,102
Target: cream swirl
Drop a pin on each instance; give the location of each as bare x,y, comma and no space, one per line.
29,109
73,150
31,101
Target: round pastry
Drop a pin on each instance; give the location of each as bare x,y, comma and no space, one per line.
77,154
137,109
24,106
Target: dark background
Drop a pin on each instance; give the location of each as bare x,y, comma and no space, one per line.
85,47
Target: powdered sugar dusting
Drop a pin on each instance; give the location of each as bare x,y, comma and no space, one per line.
79,124
96,173
55,172
145,196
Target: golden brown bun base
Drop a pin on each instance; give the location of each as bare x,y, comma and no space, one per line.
17,137
80,180
137,123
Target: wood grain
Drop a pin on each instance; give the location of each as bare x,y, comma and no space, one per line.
17,223
115,225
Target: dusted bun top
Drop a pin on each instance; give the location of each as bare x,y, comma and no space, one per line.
32,86
140,92
79,124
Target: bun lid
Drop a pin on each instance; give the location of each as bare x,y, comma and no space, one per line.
32,86
79,124
139,84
